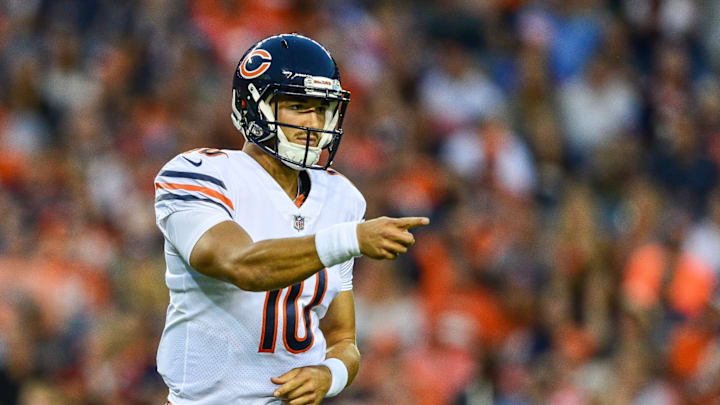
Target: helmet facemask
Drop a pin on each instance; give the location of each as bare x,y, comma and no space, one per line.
266,127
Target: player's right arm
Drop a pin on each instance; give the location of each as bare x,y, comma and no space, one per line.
194,209
228,253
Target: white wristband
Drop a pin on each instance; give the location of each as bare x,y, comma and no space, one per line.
337,244
339,374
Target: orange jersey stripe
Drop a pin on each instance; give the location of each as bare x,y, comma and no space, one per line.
300,200
190,187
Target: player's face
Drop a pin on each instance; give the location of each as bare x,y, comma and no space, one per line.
305,112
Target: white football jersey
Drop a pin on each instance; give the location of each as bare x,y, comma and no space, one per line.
222,344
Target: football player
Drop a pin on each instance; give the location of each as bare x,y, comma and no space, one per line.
260,242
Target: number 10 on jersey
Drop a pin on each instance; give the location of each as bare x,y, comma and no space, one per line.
291,312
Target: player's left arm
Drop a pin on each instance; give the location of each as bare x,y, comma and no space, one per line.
308,385
338,327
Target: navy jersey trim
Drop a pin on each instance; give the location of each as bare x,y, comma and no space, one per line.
304,180
171,196
195,176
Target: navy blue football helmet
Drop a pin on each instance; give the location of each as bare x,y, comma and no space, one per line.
293,65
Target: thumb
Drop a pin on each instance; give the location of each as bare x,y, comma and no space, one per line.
411,222
285,377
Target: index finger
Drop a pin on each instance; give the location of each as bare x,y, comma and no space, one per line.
411,222
285,377
287,387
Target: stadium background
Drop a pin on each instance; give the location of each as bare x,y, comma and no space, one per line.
566,151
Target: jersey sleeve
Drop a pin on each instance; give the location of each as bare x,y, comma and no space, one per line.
185,183
346,268
346,275
190,198
361,208
184,228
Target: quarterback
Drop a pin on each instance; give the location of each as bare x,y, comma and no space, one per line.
260,242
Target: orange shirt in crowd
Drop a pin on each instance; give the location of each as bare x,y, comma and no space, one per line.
691,284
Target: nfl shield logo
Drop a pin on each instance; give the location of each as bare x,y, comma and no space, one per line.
299,223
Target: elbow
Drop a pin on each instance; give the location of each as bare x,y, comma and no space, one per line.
251,285
228,262
243,275
245,278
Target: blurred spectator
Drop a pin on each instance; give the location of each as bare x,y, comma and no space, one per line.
490,151
681,164
455,92
597,107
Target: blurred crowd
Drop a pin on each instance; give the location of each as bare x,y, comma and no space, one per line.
567,153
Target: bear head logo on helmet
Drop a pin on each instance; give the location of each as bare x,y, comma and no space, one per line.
288,65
